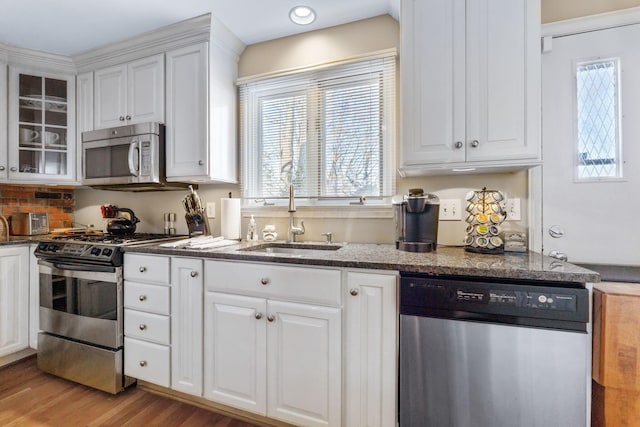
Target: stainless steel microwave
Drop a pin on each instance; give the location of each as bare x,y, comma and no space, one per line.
125,157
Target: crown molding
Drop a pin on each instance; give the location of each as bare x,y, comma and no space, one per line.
36,60
201,28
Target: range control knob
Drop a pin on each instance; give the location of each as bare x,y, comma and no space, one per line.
96,251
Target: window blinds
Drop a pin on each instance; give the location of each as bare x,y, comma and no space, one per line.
329,132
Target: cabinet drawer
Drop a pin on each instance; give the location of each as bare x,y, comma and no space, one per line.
148,362
146,268
150,298
146,326
304,284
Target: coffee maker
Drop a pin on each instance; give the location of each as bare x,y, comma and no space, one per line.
416,221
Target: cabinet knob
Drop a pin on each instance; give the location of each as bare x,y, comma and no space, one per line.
200,163
142,326
142,297
258,316
128,117
121,118
142,363
271,318
142,269
14,169
353,292
458,144
193,273
2,168
475,143
265,280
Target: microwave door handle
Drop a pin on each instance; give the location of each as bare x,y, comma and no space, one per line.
134,158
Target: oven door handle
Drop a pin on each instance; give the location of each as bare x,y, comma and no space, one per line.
81,271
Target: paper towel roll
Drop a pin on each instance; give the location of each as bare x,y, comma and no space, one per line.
230,218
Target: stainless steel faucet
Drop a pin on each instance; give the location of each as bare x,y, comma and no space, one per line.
293,230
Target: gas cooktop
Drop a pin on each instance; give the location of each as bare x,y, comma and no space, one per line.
104,249
115,239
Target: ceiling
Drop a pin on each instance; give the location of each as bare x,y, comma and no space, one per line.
69,27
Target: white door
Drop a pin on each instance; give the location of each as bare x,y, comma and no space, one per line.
304,364
593,218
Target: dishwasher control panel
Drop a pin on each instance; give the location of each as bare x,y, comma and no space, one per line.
528,303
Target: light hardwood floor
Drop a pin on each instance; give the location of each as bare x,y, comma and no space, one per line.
30,397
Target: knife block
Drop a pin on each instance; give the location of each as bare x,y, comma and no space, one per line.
198,224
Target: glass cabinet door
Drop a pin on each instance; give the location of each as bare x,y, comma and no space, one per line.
42,125
41,120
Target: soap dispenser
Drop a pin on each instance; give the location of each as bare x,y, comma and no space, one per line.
252,234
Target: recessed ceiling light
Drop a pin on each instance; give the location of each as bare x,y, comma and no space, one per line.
302,15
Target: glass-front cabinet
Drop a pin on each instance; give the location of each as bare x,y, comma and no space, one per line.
42,145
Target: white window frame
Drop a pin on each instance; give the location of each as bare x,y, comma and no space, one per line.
375,207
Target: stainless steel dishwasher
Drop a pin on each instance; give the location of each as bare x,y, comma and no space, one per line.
477,353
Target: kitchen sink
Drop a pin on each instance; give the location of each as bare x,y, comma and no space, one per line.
293,249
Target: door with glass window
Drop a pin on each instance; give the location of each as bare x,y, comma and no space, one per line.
591,147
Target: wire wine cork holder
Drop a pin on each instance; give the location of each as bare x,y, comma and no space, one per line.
485,214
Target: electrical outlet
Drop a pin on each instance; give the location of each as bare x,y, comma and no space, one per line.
450,210
512,208
211,209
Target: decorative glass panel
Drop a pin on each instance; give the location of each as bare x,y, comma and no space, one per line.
598,120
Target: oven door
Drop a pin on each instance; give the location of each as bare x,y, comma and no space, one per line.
82,302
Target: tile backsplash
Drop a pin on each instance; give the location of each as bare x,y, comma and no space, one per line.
58,202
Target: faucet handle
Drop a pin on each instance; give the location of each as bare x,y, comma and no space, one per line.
329,237
302,230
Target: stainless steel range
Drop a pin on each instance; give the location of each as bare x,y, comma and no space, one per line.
81,307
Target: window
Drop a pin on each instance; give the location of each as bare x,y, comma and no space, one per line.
329,132
598,120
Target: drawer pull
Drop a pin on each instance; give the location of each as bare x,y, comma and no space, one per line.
265,280
143,363
142,269
271,318
142,297
193,273
142,326
353,292
258,316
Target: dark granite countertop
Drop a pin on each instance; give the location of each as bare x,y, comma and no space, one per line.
445,261
20,240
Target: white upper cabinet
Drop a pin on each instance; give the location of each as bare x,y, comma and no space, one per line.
187,107
470,79
41,145
130,93
201,142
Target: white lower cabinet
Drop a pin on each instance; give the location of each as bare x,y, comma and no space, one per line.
14,299
281,359
235,349
186,325
370,349
147,352
310,346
